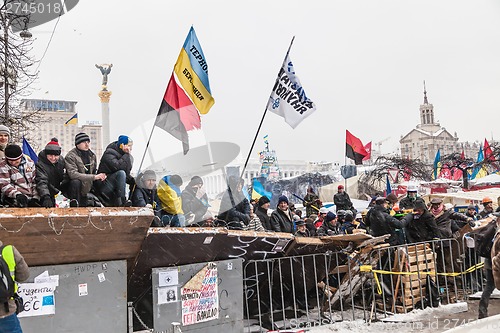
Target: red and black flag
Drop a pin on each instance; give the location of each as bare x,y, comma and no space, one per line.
354,149
188,93
177,114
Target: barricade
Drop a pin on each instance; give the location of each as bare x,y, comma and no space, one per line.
313,290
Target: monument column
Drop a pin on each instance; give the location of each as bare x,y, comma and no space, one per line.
105,95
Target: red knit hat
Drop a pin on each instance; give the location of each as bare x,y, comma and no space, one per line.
53,147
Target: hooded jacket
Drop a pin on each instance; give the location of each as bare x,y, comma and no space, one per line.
192,204
115,159
234,206
421,228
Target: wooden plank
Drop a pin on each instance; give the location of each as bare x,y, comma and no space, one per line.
75,235
422,267
340,269
421,257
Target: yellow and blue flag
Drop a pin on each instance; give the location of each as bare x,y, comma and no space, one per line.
437,164
258,190
73,120
27,150
191,69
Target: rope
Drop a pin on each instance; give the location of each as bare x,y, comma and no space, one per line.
140,320
368,269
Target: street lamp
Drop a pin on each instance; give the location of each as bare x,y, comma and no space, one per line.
8,73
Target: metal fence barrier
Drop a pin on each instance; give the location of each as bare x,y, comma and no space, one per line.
319,289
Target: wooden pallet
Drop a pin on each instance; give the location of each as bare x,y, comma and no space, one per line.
411,289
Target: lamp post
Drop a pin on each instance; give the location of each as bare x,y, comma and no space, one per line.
8,75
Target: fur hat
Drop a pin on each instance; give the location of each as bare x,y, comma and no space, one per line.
81,137
4,130
282,198
330,216
13,152
263,200
124,140
53,147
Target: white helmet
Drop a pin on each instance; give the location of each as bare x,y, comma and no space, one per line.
412,188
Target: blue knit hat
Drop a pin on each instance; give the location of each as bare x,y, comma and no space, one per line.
330,216
124,140
282,198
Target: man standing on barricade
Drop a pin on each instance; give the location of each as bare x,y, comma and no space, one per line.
420,225
381,223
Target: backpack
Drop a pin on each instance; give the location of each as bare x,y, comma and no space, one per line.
483,238
6,282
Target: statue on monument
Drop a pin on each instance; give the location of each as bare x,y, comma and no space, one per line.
105,70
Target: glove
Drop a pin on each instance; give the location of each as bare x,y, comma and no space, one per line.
131,182
22,200
472,223
45,201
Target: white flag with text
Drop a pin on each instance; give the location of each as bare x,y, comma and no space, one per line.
288,98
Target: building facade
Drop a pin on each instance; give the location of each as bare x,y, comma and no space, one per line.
424,141
60,120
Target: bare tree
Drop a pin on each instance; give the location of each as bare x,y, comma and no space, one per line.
17,73
370,182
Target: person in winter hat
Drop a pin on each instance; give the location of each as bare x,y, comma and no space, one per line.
116,163
262,207
50,176
194,201
17,179
234,206
4,139
330,225
282,217
144,194
342,200
81,168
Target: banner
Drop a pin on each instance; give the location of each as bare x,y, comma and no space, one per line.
354,148
288,98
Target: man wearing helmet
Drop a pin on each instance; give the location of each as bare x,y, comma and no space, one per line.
488,208
408,202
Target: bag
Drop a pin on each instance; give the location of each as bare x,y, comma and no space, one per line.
6,282
483,238
19,303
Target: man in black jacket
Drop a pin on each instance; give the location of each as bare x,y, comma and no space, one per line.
50,175
282,218
381,223
420,225
116,163
261,212
194,201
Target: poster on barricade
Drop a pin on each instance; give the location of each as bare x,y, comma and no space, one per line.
200,296
38,299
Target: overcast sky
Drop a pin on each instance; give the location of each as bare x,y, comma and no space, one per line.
362,63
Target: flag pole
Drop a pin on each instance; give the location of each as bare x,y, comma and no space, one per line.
146,149
262,119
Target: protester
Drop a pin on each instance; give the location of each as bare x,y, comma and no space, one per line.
17,179
169,194
282,218
311,202
382,223
81,167
262,207
194,201
411,198
4,139
330,225
342,200
50,175
318,221
420,225
471,212
302,229
348,226
487,208
20,273
116,163
446,219
234,206
310,225
144,193
490,281
254,224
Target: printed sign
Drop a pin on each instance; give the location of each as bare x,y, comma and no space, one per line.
169,277
200,296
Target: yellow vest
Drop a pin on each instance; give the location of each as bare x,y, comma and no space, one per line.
8,256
